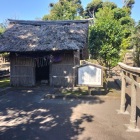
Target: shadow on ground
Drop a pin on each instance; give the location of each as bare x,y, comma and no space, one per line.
26,115
112,89
128,103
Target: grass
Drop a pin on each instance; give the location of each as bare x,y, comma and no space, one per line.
4,82
83,90
76,91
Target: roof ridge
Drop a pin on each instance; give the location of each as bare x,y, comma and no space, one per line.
37,22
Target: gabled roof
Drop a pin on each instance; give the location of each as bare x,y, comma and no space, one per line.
86,63
22,36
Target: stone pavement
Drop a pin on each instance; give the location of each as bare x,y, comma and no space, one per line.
26,115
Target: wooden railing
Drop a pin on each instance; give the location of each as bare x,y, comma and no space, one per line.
130,75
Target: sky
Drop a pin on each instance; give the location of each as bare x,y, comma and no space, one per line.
34,9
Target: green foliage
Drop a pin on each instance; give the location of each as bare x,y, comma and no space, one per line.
65,10
136,44
109,4
80,9
4,82
2,28
110,35
128,21
129,3
121,12
93,7
125,45
105,37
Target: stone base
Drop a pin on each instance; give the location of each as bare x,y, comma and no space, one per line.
129,129
125,113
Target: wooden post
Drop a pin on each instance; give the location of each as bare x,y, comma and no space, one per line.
122,106
106,81
133,78
73,79
89,90
133,105
76,61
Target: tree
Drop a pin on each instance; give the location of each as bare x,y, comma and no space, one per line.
110,36
1,30
128,3
136,44
121,12
80,8
93,7
112,5
105,38
127,23
65,10
2,27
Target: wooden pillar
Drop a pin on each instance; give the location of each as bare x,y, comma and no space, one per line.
76,61
133,105
89,90
123,100
73,79
106,81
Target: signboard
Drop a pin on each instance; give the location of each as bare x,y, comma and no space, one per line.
90,75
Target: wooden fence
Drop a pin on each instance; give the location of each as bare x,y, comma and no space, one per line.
130,75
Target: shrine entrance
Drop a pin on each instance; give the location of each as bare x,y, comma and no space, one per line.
42,68
42,73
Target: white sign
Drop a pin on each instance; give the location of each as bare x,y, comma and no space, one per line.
90,75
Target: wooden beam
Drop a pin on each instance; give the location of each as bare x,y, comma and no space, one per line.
31,22
129,80
129,68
